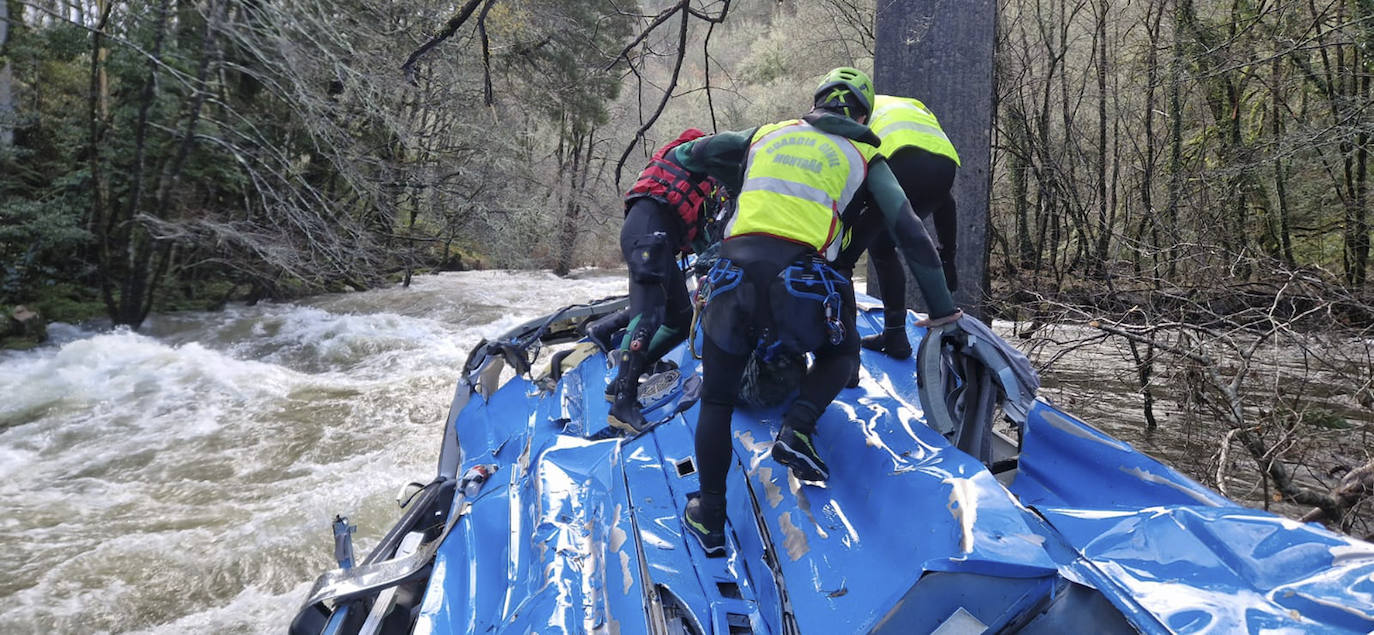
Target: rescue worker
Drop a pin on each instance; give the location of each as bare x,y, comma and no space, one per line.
773,290
924,161
663,212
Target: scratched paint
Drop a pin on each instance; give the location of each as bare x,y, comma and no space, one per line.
804,503
771,490
758,450
962,494
794,539
618,535
851,536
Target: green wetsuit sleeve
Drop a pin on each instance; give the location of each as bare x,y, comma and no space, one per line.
911,237
720,156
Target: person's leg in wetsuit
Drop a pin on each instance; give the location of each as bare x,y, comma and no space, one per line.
705,515
602,332
926,178
658,298
830,372
732,323
892,284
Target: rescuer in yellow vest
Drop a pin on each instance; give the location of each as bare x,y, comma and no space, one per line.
924,162
773,289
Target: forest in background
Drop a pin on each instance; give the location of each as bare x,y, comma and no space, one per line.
1185,179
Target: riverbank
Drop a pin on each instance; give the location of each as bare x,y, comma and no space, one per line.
75,303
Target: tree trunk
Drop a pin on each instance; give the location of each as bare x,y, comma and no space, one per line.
133,250
1098,262
6,79
1359,236
572,207
1357,232
1149,216
1171,215
1285,235
1020,187
98,116
917,45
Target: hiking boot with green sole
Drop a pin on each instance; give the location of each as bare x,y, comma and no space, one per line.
797,451
705,525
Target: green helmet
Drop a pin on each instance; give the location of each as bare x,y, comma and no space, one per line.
846,90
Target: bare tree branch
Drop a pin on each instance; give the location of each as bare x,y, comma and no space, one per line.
450,27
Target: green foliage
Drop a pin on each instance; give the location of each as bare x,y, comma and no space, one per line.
1326,419
558,53
67,302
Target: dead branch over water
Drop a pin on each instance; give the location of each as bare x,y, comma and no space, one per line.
1280,367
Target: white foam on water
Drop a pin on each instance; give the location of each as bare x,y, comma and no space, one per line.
182,479
246,612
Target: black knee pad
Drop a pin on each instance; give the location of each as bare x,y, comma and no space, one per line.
649,257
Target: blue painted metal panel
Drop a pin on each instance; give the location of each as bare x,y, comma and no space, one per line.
1200,569
896,495
1065,461
560,537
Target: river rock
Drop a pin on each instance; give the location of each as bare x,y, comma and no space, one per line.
22,326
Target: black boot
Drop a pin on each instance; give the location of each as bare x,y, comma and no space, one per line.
607,331
704,519
853,378
891,342
624,413
797,450
613,387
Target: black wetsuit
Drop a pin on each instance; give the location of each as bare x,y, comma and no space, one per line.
649,240
749,314
926,178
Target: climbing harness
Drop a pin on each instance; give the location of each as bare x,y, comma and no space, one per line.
721,277
816,281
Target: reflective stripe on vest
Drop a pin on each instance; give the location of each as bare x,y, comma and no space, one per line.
901,122
797,180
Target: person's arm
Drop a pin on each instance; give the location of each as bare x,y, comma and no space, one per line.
922,258
720,156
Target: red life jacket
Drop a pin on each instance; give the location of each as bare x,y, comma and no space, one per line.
669,183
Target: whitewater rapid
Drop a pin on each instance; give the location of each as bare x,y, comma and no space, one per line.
183,478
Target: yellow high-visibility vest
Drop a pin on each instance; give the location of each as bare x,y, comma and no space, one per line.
797,181
904,122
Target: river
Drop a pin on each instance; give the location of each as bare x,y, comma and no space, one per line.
183,478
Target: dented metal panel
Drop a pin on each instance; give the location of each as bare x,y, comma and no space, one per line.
576,534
